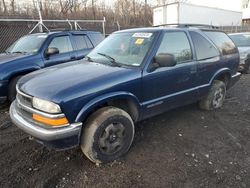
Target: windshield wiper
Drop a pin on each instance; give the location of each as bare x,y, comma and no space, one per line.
19,52
112,60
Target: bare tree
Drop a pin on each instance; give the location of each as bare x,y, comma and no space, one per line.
4,6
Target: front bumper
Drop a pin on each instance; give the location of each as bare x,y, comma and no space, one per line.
58,138
235,78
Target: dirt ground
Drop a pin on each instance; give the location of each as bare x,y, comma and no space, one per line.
186,147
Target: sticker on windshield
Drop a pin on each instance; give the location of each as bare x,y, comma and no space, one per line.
142,35
139,41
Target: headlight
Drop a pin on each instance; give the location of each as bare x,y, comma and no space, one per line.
46,106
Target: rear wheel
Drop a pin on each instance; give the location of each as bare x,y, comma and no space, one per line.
12,88
107,135
215,97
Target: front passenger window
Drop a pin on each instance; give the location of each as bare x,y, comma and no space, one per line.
62,44
177,44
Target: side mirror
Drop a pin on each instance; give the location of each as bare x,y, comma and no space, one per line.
165,60
51,51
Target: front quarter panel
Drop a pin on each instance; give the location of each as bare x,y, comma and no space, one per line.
91,105
20,67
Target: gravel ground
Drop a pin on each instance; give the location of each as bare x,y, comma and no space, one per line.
186,147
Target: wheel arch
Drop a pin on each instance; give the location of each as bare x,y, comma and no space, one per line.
222,75
22,72
124,100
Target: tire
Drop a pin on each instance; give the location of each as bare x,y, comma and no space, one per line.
215,97
12,89
107,135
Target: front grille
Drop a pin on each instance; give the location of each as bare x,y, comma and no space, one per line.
23,101
27,101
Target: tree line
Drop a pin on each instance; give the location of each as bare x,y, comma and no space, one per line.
125,12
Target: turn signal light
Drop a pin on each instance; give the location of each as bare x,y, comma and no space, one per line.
48,121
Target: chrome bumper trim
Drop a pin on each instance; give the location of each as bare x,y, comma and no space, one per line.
42,133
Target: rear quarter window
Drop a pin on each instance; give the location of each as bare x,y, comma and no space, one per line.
222,41
204,48
96,38
82,42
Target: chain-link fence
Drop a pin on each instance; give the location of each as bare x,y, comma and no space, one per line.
12,30
236,29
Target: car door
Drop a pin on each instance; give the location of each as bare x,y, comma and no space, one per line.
209,60
66,54
82,44
168,87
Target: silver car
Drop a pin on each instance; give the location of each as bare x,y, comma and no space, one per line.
242,41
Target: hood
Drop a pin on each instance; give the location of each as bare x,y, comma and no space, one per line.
71,80
6,57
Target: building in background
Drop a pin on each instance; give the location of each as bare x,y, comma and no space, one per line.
246,11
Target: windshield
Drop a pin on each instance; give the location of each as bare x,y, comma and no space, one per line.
241,40
27,44
123,49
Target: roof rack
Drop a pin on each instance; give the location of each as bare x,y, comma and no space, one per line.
189,25
65,29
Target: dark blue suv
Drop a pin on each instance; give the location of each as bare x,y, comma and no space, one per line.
132,75
36,51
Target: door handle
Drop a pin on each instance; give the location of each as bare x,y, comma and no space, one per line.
193,70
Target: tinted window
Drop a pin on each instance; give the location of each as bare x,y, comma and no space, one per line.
204,49
62,43
176,43
222,41
82,42
96,38
241,39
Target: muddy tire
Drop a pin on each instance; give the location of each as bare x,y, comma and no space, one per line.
215,97
12,88
107,135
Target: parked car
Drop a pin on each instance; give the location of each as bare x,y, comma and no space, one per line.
242,41
132,75
36,51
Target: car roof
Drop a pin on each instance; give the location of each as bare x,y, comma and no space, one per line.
161,28
67,31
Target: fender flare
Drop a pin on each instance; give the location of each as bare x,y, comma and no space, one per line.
87,108
220,72
23,71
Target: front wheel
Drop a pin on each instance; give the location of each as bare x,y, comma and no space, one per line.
215,97
107,135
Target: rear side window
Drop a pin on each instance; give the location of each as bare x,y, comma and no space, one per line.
177,44
222,41
82,42
204,49
96,38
